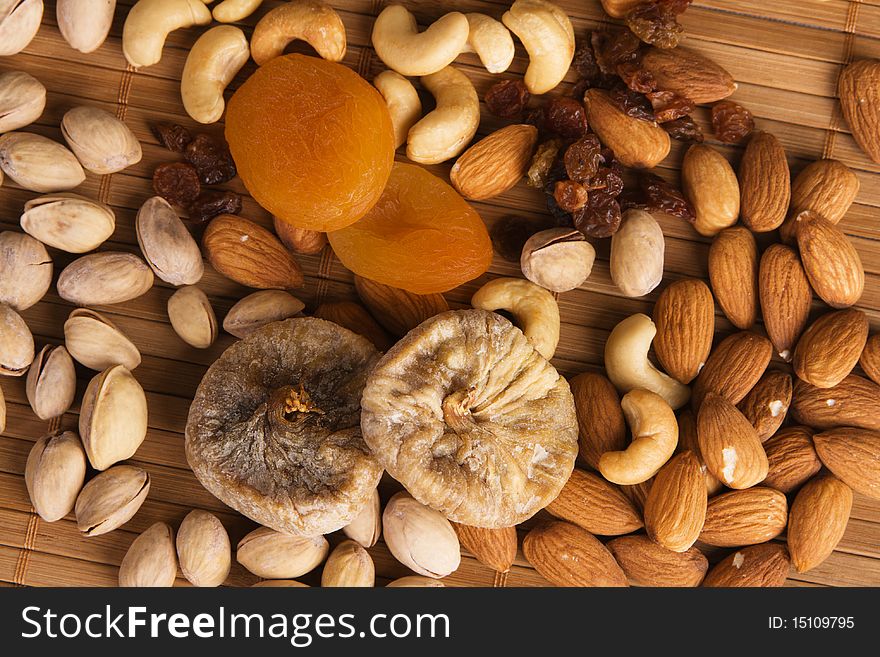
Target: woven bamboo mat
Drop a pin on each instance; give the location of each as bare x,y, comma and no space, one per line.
785,55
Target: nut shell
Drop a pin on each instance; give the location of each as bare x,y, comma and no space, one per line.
51,382
102,143
150,560
68,221
25,270
419,537
22,100
54,474
104,278
192,317
273,555
203,549
258,309
38,163
168,248
559,259
111,499
97,343
16,343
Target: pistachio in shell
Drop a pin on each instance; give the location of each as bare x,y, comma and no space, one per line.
349,565
367,525
51,382
273,555
39,164
97,343
25,270
111,499
169,249
113,417
104,278
415,581
54,474
22,100
260,308
2,412
559,259
19,23
419,537
150,560
68,221
192,317
102,143
203,549
279,583
16,343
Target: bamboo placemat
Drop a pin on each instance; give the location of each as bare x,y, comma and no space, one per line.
786,57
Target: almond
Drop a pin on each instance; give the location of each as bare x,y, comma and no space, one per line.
685,319
494,164
647,564
729,444
827,187
249,254
619,8
853,456
831,261
688,74
299,240
355,318
688,440
785,297
569,556
638,493
734,367
859,91
764,565
592,503
818,519
792,459
870,358
765,183
853,402
602,427
733,272
495,548
745,517
767,403
709,183
676,505
399,311
636,143
830,347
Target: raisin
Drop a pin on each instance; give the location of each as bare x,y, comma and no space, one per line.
613,48
172,136
565,117
661,196
582,158
655,22
632,198
637,78
509,235
560,216
212,203
684,129
731,122
542,161
600,217
584,62
507,99
632,103
570,195
669,106
608,179
211,158
177,182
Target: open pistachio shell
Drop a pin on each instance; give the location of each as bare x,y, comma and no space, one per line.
97,343
68,221
51,382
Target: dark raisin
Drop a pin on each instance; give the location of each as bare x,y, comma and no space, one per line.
637,78
565,117
509,234
177,182
656,22
507,99
669,106
570,195
172,136
661,196
600,217
584,62
607,179
731,122
211,158
631,103
542,161
582,158
632,198
212,203
560,216
614,47
557,172
684,129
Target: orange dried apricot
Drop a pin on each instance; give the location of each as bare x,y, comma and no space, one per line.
421,236
312,141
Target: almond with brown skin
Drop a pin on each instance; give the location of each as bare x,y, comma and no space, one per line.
827,187
767,403
399,311
853,402
764,565
647,564
853,456
709,183
792,459
870,358
733,369
729,444
733,272
765,183
685,319
638,493
688,440
355,318
785,297
299,240
689,74
494,164
832,263
830,347
636,143
859,91
602,427
745,517
495,548
818,519
570,556
676,505
591,502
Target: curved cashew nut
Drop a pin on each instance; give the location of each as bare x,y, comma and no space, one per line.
627,364
534,309
232,11
313,21
546,32
445,132
403,103
211,64
397,41
491,41
655,436
150,22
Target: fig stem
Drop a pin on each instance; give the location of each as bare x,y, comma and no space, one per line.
456,410
294,400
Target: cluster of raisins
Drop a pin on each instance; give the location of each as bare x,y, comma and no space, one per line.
656,22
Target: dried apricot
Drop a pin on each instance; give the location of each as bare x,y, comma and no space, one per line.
312,141
420,236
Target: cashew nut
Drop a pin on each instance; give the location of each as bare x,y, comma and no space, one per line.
397,41
548,37
150,21
491,41
313,21
627,364
211,64
232,11
533,308
655,436
448,129
403,103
